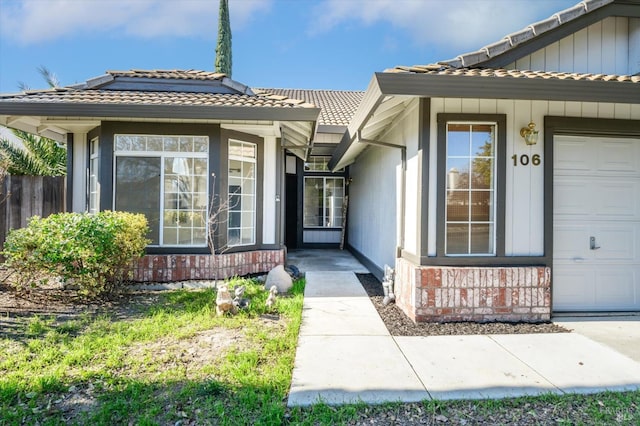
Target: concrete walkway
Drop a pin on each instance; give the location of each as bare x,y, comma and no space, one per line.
620,332
346,355
325,260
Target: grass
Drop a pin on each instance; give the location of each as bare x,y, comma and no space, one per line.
107,370
176,361
607,408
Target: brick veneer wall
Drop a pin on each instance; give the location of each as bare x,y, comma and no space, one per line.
165,268
442,294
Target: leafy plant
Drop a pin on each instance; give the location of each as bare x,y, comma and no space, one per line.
93,252
38,156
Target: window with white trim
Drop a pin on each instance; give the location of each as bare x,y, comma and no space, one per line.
470,212
241,227
166,179
319,163
323,199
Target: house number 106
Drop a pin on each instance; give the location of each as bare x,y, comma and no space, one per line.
525,160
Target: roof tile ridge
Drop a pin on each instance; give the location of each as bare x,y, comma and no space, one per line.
285,99
307,90
527,33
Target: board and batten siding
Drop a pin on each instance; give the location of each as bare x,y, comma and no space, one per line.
375,193
611,46
524,207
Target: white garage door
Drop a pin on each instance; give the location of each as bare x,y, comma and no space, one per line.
596,224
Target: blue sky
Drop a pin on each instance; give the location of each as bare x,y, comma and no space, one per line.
311,44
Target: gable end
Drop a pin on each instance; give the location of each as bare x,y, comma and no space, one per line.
629,9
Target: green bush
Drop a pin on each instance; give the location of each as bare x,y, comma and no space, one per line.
92,252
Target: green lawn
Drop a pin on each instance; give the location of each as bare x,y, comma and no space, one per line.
176,362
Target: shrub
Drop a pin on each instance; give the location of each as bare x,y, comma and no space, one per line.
92,252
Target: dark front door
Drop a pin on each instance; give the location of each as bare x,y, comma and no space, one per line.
291,219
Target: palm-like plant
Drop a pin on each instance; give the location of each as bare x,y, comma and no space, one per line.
38,156
47,75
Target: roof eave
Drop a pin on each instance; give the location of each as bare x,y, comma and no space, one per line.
455,86
331,128
550,89
370,101
159,111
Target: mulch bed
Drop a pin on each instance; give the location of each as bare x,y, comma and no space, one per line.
399,324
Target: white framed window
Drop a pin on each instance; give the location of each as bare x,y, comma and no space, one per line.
318,163
470,209
94,185
323,200
241,226
166,179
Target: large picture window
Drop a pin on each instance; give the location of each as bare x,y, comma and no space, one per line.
323,198
241,228
164,178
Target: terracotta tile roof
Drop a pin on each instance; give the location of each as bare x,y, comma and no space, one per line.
439,69
337,106
124,97
170,74
526,34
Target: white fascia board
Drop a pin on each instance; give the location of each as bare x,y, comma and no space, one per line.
347,150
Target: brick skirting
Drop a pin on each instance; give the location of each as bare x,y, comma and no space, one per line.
445,294
165,268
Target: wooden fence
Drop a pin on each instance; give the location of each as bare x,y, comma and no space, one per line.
26,196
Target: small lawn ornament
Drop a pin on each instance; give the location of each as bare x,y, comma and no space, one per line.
224,302
239,301
239,291
271,299
387,286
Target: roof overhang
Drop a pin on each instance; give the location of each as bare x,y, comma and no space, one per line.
388,91
550,89
157,111
296,126
297,137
